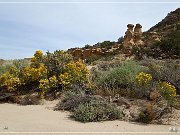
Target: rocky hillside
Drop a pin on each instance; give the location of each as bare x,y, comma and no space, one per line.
168,24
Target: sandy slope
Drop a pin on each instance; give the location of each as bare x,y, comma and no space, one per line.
40,118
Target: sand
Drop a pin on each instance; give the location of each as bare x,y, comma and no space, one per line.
41,119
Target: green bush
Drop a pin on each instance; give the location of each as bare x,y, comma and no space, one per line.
56,62
96,111
122,76
168,71
68,95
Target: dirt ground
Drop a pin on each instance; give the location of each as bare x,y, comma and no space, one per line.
41,119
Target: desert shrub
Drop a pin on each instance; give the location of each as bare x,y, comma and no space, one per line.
56,62
143,79
96,111
152,111
35,71
12,84
55,77
64,79
164,70
143,84
144,117
168,71
49,71
74,73
53,71
168,91
36,60
78,72
147,114
47,84
121,77
68,95
70,102
30,74
30,99
9,82
62,72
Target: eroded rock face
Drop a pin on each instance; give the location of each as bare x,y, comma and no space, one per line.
78,53
87,53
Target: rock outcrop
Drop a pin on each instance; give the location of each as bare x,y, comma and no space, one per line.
129,35
83,54
138,35
133,36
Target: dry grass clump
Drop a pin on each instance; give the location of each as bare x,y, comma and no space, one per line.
32,99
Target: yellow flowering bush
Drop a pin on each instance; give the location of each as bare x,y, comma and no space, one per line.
36,60
65,79
4,77
38,54
73,73
10,82
34,74
46,84
47,72
78,72
168,90
53,81
14,71
143,79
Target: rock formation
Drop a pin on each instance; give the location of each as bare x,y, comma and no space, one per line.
87,53
138,35
129,34
133,36
78,54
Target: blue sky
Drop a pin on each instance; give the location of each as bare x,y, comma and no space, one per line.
26,27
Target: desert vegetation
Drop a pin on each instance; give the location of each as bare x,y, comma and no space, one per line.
104,92
134,79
